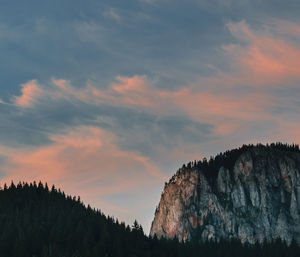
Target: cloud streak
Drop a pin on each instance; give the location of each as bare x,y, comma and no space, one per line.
226,111
80,159
263,58
78,151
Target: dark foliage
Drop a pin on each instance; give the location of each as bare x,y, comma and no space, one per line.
36,221
227,159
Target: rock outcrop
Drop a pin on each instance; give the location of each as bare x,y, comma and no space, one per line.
256,199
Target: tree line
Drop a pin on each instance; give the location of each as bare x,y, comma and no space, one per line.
210,167
44,222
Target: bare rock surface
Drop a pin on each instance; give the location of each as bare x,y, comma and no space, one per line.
255,200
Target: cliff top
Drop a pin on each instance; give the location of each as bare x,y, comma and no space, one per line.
228,158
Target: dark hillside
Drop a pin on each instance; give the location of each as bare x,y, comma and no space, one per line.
36,221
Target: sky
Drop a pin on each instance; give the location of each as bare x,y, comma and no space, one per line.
107,99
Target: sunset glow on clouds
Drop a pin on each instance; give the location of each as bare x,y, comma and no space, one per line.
266,60
106,101
81,158
29,93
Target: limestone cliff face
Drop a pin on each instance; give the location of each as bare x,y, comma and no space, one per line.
255,200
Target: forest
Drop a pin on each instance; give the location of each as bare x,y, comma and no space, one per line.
39,221
227,159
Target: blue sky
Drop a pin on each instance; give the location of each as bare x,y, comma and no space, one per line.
106,99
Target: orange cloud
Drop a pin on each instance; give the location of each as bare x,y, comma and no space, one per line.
203,106
262,57
129,91
127,84
226,110
80,150
30,92
78,160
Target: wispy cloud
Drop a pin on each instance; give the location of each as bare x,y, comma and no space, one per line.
226,111
78,151
79,159
263,58
112,14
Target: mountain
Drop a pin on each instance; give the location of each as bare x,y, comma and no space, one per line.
250,194
38,222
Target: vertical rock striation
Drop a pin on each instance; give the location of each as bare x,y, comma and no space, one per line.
257,199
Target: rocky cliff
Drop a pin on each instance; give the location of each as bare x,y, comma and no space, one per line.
251,194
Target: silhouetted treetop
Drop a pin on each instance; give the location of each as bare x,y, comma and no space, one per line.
36,221
227,159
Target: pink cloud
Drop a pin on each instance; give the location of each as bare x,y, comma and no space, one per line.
80,150
263,58
30,92
85,161
200,105
129,91
227,110
218,107
130,84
